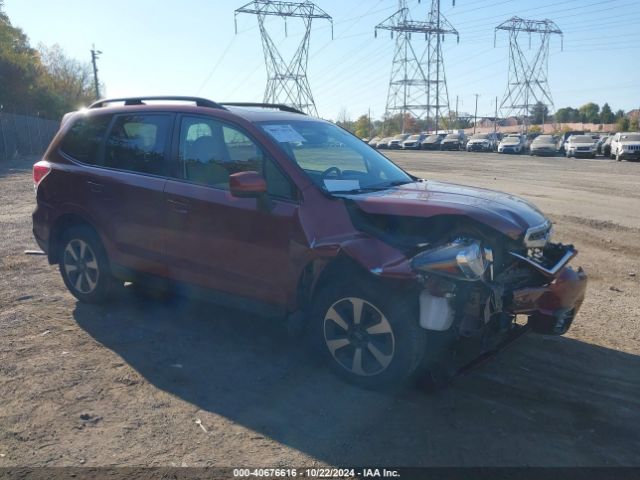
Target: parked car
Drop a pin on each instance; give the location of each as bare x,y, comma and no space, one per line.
605,147
414,142
482,142
625,146
513,143
580,146
562,140
397,141
432,142
543,145
384,143
390,276
453,141
374,141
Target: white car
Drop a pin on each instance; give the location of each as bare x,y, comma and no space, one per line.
512,143
626,146
581,146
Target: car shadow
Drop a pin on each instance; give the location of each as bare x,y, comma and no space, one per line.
545,401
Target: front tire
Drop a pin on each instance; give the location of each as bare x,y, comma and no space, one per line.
368,337
84,265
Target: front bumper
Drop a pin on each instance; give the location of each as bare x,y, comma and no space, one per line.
478,147
551,308
582,153
543,151
630,155
450,146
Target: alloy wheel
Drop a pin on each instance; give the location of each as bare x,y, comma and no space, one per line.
359,336
81,266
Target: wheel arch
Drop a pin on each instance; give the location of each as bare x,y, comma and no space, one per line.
63,223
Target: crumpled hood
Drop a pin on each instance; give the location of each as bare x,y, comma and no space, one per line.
506,213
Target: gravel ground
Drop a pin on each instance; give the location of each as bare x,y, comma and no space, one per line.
186,383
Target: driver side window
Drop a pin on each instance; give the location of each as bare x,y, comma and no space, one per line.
210,151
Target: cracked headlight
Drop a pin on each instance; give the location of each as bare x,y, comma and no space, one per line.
461,259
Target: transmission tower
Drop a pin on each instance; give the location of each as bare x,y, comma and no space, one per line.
528,74
418,85
287,83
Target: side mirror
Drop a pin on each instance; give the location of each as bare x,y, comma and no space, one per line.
247,185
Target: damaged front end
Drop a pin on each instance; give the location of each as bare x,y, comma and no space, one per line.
478,287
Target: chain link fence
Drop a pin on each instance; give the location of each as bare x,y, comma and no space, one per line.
24,135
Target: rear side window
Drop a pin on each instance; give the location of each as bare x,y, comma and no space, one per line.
138,143
82,141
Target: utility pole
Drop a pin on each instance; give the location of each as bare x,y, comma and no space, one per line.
287,82
94,60
495,119
457,121
475,116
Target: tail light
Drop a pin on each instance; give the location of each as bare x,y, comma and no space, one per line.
40,170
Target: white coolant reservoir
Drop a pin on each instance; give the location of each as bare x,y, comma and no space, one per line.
435,312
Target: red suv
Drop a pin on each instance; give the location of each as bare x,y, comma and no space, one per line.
263,207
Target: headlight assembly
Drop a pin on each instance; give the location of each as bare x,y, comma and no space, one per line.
461,259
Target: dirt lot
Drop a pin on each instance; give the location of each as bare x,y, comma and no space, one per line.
125,384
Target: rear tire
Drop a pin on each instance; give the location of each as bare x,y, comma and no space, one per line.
84,265
369,337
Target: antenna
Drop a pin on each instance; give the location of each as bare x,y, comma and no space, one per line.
287,83
528,74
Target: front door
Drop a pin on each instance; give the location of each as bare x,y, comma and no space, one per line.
235,245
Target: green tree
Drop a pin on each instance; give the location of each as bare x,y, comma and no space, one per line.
362,126
590,113
619,114
606,115
567,115
539,113
622,125
633,125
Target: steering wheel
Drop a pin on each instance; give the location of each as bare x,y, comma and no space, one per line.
337,172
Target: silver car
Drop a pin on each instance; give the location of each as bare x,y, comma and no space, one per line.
544,145
580,146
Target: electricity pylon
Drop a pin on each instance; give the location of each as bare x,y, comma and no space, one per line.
287,83
418,85
528,81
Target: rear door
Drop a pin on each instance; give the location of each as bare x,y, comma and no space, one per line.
127,191
235,245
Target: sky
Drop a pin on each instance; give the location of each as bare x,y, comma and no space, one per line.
191,48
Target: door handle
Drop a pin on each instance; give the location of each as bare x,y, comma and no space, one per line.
178,207
95,187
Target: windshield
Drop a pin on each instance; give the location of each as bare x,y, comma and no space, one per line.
400,136
452,136
633,137
432,138
480,136
334,160
414,137
544,139
582,139
511,140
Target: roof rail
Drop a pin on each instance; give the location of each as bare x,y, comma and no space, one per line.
276,106
200,102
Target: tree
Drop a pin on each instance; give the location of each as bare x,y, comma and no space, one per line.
68,81
539,113
633,125
589,113
567,115
362,126
619,114
606,115
46,83
344,119
622,125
